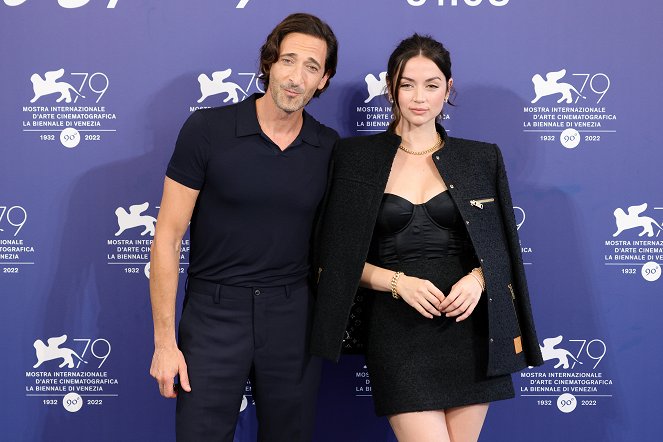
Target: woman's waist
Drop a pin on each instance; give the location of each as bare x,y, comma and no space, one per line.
442,271
398,247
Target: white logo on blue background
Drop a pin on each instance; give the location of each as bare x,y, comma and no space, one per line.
550,86
632,220
376,86
53,351
231,90
49,85
562,355
134,218
217,85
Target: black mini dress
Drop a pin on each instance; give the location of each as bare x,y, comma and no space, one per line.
416,363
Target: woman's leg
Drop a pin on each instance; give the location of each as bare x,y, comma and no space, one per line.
420,426
464,423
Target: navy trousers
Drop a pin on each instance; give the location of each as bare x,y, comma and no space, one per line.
230,334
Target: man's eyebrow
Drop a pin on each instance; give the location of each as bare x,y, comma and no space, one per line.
309,59
314,61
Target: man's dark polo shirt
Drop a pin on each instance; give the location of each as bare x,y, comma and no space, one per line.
252,222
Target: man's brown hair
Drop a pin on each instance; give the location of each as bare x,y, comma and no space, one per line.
304,24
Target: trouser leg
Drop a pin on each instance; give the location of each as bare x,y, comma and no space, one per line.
286,376
216,337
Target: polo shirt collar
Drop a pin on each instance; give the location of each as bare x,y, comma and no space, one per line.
247,122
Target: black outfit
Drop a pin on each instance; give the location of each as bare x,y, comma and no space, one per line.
443,362
253,219
502,327
248,305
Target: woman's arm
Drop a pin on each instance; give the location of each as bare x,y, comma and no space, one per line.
420,294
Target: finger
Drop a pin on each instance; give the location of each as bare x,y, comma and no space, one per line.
435,291
453,302
430,303
421,310
467,313
184,378
457,302
154,372
168,389
464,305
449,299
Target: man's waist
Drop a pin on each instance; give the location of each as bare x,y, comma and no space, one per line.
205,287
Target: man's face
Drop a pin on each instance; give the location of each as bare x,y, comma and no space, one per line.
298,72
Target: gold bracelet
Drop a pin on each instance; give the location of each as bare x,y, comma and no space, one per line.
394,281
480,272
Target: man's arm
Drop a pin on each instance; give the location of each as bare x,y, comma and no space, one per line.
177,205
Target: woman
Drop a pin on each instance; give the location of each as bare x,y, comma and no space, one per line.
425,223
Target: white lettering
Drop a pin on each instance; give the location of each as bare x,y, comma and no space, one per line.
454,2
70,4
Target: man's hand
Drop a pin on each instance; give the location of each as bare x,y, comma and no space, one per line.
166,364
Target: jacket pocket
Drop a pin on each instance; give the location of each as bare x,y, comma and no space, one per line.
517,341
478,203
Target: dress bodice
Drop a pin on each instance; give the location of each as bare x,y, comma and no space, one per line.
405,231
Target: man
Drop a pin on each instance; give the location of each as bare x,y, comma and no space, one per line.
250,178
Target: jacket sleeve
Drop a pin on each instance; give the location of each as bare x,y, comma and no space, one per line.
522,301
314,251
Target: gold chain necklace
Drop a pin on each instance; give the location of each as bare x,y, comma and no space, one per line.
438,145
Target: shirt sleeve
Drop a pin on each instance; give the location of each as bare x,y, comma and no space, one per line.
189,160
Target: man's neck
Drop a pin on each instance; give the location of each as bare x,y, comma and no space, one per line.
276,121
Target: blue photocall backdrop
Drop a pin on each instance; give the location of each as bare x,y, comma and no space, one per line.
93,93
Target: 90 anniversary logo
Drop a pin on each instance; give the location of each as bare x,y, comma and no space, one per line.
59,380
568,106
68,106
129,248
636,241
574,374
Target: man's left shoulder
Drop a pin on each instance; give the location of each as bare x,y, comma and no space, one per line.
325,134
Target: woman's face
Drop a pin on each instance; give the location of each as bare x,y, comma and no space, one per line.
422,91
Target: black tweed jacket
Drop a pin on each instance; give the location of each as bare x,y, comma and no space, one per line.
476,179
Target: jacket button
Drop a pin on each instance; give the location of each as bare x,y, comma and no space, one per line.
491,340
437,157
481,260
256,292
490,299
467,222
451,186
